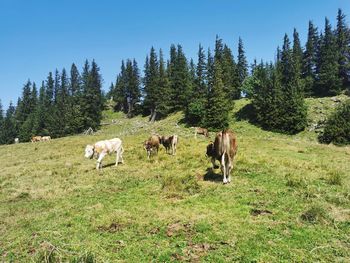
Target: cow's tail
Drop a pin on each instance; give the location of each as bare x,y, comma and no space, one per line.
225,146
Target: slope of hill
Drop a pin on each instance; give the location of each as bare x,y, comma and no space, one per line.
289,199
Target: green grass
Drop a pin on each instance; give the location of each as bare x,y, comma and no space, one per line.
288,201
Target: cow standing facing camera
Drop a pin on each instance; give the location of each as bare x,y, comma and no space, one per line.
224,150
102,148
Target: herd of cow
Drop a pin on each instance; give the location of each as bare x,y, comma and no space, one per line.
223,149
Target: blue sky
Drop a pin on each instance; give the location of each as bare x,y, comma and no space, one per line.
39,36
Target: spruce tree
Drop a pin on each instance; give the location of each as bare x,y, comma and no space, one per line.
309,60
329,82
293,114
195,112
163,101
92,95
9,125
151,81
181,83
297,54
242,65
217,111
1,124
75,116
230,74
343,48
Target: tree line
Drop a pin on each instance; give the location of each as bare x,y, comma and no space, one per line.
321,68
63,105
204,90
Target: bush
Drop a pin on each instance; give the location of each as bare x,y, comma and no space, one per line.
337,128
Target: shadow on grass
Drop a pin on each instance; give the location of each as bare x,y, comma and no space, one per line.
246,113
212,176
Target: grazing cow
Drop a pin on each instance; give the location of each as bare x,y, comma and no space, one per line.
36,139
152,145
16,140
224,150
102,148
199,130
169,143
46,138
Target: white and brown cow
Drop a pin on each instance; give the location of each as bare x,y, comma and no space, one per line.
224,150
102,148
152,145
170,143
36,139
46,138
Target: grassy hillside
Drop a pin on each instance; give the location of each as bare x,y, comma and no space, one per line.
289,199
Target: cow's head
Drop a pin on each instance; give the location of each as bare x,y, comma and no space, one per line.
210,150
89,151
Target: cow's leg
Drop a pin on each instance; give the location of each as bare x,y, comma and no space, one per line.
121,154
117,157
99,160
224,168
229,169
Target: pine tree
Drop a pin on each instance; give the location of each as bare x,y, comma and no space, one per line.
329,82
217,111
75,116
180,82
1,124
40,113
195,112
297,54
92,95
151,81
230,74
219,49
132,86
309,60
242,65
163,101
343,48
293,114
9,125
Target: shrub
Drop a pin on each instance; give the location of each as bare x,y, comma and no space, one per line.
337,128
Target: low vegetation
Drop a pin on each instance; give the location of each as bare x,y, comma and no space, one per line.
288,200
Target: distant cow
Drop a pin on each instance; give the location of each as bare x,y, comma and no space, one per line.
36,139
152,145
16,140
224,150
46,138
199,130
169,143
102,148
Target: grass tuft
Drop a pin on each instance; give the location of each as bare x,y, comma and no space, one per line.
315,214
334,178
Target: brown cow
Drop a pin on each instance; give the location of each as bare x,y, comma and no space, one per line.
170,143
36,139
199,130
152,145
224,150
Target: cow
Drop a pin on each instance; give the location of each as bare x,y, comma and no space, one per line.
36,139
199,130
16,140
170,143
102,148
224,150
152,145
46,138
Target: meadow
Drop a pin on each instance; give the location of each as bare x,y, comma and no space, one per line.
289,199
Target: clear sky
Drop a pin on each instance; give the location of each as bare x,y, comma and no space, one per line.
38,36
